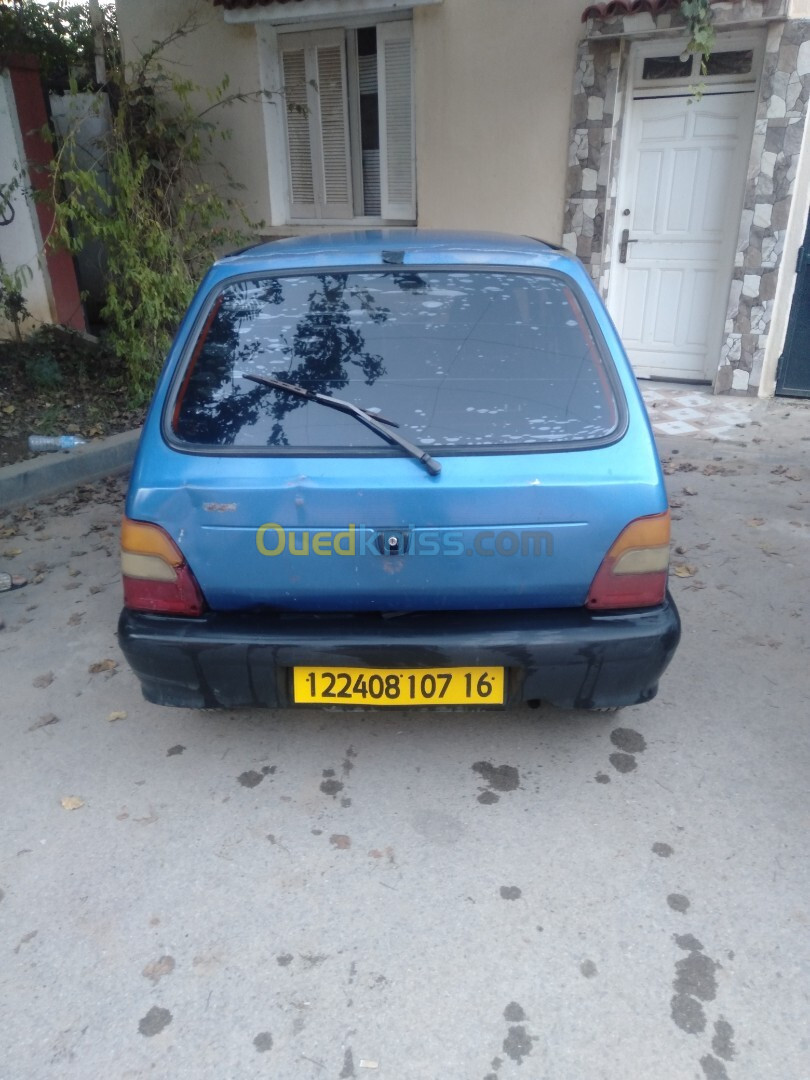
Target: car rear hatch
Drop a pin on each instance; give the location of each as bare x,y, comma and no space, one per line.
504,377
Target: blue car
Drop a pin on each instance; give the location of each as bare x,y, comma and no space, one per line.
397,468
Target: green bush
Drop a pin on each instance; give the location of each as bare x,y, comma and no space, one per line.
157,201
59,34
42,370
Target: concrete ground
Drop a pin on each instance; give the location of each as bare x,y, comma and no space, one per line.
417,896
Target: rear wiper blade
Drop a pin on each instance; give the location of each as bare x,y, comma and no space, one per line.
372,420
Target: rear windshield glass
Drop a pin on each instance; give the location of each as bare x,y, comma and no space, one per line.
456,359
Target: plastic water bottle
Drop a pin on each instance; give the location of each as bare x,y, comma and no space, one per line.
40,444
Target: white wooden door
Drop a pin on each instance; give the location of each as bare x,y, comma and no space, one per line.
678,211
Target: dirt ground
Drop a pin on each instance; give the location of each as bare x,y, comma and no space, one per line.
61,385
520,894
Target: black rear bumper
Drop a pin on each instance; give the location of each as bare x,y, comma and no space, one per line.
567,657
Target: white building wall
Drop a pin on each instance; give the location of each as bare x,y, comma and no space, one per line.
493,100
206,54
492,96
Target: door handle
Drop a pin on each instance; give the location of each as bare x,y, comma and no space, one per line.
623,245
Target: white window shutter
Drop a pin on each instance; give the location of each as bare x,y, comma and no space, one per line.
333,114
397,156
299,147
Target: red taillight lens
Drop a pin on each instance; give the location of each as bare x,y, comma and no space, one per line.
634,571
156,576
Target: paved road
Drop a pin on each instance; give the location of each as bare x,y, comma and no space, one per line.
531,894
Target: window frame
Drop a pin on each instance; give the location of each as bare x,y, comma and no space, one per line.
726,41
271,43
189,353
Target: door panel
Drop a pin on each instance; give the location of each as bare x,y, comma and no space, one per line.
649,183
722,164
700,307
666,325
679,200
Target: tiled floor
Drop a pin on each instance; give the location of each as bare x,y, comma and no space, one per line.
676,409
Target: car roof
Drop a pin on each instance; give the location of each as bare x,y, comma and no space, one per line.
381,247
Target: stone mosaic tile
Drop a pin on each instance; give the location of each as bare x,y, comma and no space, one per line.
675,409
781,116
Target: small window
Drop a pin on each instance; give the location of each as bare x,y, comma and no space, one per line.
666,67
350,139
457,359
730,63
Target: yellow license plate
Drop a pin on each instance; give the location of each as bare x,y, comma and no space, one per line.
398,686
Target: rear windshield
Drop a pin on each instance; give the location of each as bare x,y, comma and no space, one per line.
457,359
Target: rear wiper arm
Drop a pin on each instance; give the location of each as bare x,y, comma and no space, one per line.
372,420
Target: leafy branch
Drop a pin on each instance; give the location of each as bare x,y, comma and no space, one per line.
13,304
60,35
700,24
154,195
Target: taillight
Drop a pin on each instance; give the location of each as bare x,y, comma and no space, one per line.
634,571
156,576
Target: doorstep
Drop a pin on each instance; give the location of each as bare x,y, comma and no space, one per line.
695,412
